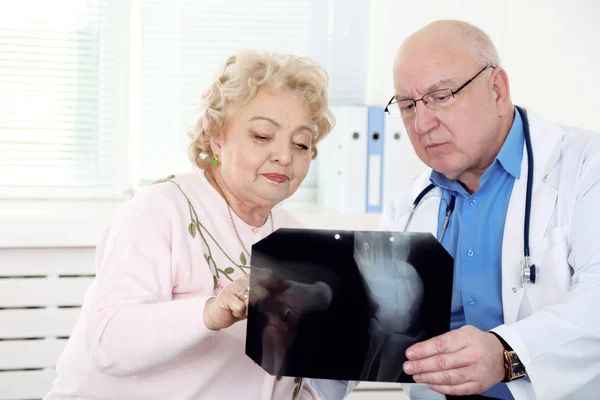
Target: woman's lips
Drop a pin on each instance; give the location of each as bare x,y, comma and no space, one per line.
277,178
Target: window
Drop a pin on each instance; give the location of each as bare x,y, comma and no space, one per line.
184,43
97,95
61,98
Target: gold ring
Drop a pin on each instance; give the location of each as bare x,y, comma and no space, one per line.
245,294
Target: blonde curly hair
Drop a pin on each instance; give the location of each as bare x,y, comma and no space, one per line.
238,82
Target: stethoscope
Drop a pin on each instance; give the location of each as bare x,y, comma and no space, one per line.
528,270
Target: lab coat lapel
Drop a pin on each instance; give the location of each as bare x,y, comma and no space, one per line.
545,140
426,219
425,216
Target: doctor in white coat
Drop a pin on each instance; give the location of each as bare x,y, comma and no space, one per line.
552,325
471,136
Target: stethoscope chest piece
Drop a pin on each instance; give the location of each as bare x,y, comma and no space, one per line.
528,271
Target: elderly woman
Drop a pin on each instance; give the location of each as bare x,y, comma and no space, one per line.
164,318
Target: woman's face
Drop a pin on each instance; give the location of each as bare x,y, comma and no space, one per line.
265,148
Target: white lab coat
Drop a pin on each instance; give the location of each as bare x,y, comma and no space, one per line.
554,324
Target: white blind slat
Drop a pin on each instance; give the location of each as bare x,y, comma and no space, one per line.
61,93
64,78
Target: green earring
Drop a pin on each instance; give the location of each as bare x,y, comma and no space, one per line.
215,160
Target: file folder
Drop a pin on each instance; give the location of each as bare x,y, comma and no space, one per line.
342,161
375,160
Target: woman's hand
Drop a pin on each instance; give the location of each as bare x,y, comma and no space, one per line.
227,308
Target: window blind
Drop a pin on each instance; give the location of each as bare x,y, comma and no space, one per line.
62,102
184,43
95,98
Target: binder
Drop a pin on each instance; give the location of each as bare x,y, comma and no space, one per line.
342,161
375,157
401,164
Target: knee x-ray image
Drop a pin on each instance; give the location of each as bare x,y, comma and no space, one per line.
345,305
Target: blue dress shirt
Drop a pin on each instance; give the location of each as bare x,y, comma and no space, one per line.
474,238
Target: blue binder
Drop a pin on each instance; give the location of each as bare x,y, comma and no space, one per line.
375,160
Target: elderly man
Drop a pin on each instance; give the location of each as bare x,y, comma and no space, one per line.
514,199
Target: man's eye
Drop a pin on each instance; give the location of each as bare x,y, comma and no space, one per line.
406,106
440,98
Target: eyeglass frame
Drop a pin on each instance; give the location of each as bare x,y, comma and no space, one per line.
454,92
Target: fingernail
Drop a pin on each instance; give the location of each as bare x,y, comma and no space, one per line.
408,367
410,353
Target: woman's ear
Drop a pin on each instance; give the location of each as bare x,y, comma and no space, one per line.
215,144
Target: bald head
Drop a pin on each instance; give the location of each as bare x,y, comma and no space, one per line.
458,37
430,57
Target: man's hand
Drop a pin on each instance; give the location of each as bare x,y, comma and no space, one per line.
461,362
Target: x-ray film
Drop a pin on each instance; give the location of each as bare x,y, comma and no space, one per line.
345,305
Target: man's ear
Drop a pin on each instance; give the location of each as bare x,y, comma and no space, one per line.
501,88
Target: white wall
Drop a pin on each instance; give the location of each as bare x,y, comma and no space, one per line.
548,47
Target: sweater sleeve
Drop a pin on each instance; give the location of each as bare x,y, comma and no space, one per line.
134,323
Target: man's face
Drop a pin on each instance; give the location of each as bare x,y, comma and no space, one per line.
454,139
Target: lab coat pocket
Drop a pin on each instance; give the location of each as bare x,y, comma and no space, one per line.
553,272
556,248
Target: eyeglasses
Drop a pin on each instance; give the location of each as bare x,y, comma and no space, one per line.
434,100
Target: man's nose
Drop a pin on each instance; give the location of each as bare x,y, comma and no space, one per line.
425,119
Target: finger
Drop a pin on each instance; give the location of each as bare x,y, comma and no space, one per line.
236,288
230,304
440,362
463,389
246,302
243,280
449,342
452,377
240,284
236,306
258,293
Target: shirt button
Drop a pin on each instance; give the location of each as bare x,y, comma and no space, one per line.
472,203
470,253
471,300
255,229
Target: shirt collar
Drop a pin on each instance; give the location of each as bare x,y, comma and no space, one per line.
511,153
510,157
441,181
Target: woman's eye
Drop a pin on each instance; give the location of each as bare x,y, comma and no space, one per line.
261,138
302,146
